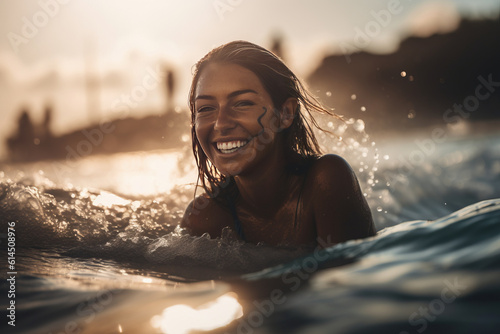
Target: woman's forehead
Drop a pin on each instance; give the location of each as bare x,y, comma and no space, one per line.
222,78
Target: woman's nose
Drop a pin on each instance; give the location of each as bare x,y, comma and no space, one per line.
224,119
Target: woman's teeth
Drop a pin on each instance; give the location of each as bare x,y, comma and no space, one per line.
232,146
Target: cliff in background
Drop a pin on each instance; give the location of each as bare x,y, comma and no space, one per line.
440,71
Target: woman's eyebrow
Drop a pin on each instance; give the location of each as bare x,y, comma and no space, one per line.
239,92
230,95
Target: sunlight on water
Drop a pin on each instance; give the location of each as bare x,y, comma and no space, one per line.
148,173
129,174
180,319
108,200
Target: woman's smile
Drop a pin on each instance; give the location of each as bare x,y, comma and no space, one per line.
226,147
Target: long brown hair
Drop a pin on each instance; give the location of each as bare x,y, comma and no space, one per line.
281,83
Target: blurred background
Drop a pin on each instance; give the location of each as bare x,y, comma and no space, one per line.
79,77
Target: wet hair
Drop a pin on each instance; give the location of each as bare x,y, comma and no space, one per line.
281,84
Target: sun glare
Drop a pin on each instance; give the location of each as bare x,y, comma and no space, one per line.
182,319
148,174
108,200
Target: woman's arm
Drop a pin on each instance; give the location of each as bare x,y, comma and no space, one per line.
340,209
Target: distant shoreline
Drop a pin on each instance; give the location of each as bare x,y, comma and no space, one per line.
474,129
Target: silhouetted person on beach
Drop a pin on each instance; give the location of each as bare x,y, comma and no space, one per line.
170,83
21,145
26,130
277,46
47,119
48,147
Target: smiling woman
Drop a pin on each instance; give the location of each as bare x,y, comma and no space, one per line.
258,159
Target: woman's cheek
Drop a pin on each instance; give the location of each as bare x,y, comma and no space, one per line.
202,136
200,130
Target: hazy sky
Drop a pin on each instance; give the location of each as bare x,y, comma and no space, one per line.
44,43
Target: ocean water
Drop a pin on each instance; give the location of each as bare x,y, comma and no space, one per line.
97,249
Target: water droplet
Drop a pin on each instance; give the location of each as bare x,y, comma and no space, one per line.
379,209
353,97
359,125
330,125
386,157
403,74
411,114
388,184
328,93
363,108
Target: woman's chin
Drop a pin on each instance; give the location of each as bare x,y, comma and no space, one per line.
233,171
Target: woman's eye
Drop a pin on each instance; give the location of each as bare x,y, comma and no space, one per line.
244,104
204,109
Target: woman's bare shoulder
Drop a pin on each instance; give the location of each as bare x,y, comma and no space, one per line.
204,215
340,209
331,167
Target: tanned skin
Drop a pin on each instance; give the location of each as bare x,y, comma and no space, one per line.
332,208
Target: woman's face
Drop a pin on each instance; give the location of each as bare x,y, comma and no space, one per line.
229,99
